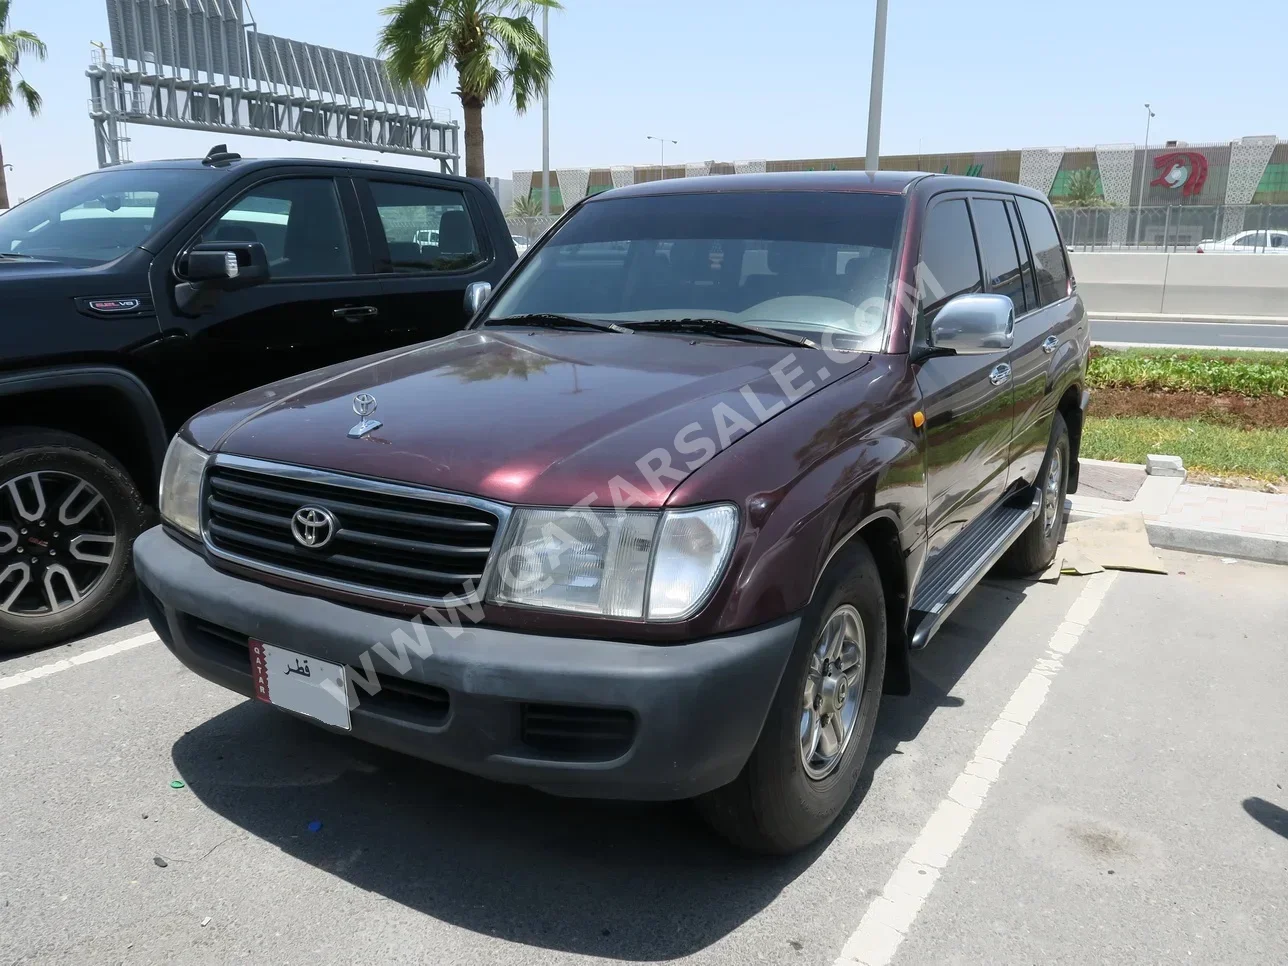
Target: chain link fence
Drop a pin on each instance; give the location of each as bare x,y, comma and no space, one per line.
1176,228
529,228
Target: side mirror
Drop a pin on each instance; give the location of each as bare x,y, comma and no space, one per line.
476,293
974,325
214,267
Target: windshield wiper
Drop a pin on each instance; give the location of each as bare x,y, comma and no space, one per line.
553,320
721,327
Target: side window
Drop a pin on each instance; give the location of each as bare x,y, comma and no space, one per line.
1278,240
427,229
949,263
997,245
1048,253
1253,239
1026,264
298,221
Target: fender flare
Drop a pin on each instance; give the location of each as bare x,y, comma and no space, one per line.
119,380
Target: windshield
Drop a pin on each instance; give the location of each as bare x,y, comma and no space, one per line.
804,262
98,217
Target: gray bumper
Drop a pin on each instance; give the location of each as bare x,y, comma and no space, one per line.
685,716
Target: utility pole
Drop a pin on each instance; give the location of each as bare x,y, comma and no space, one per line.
1144,160
873,159
545,121
663,142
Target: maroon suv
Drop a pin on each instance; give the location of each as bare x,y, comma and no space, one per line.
666,519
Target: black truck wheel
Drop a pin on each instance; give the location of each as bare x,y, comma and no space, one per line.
803,769
1033,552
69,514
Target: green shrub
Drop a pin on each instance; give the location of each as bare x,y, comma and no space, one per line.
1187,372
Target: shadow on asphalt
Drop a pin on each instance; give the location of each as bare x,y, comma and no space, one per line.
129,611
612,879
1268,814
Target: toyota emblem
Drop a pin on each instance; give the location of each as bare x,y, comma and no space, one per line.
364,404
312,527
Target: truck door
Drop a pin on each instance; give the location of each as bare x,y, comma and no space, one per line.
967,400
310,313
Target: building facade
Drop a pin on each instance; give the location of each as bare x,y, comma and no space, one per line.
1225,176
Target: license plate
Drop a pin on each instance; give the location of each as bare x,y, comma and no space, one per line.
300,683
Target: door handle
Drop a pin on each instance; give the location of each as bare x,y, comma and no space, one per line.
1001,372
1049,344
355,313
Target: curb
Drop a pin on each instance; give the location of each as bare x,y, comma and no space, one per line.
1218,543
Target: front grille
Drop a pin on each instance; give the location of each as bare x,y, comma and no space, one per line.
572,731
388,540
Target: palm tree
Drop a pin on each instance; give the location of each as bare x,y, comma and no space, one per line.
1082,190
13,45
491,43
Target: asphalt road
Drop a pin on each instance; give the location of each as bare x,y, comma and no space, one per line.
1139,818
1248,335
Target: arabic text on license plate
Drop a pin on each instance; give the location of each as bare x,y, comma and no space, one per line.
300,683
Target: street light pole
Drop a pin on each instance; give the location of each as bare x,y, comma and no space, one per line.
1144,160
663,142
545,121
873,159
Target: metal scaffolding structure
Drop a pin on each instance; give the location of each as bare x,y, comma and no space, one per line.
202,65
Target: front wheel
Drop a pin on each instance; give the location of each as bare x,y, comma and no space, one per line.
1033,552
811,750
69,514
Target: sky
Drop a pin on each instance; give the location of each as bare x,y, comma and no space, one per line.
746,79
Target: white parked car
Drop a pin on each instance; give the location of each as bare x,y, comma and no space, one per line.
1261,240
520,243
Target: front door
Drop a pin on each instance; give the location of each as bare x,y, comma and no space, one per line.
967,399
318,306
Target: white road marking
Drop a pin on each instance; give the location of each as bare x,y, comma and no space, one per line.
26,677
891,914
1176,347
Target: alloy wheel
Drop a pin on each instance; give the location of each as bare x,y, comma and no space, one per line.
1051,492
833,692
58,540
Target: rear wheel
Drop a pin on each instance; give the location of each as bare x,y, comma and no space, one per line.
69,514
803,769
1036,548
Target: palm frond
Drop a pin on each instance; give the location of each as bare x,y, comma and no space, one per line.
28,43
31,97
527,60
416,42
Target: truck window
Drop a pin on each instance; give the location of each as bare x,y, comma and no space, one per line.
997,245
1026,262
299,223
1048,253
427,229
949,263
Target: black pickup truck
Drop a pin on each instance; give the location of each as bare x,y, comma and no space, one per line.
135,296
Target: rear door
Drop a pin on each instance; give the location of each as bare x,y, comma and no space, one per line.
1045,332
302,317
429,238
966,399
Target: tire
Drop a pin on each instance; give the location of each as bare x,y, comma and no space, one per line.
775,805
69,513
1033,552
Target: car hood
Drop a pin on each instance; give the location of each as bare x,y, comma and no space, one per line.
547,417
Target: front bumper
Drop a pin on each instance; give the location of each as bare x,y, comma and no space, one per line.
680,719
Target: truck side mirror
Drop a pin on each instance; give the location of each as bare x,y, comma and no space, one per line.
476,293
974,325
210,268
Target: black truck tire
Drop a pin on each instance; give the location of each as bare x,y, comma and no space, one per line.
69,513
1036,547
776,805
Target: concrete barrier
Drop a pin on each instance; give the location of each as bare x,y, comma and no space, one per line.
1183,285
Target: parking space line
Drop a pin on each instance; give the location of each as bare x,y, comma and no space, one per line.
890,915
25,677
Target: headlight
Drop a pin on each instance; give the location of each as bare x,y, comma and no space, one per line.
616,564
180,501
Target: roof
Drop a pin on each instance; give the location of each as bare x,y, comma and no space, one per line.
250,164
889,182
883,182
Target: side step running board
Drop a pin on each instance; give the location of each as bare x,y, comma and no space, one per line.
962,565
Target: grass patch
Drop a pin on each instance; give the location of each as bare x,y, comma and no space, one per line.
1262,356
1204,447
1253,375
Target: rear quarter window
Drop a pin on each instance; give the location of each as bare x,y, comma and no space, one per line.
1048,252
